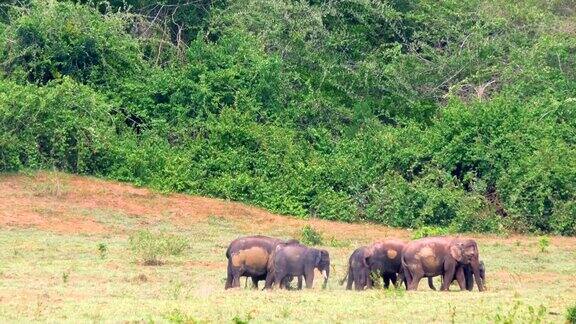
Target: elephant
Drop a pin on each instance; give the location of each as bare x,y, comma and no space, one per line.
385,260
358,269
433,256
468,277
248,256
295,260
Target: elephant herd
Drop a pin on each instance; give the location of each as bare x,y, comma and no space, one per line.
278,261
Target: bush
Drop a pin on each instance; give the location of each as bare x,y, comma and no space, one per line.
178,317
310,236
571,315
543,243
152,248
52,39
427,231
102,250
420,114
64,125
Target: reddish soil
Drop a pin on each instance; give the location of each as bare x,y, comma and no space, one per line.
64,203
59,202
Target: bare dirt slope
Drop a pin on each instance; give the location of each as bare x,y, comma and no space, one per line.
63,203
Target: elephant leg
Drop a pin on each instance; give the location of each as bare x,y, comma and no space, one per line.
254,282
460,278
447,279
286,282
413,285
394,279
278,278
236,279
369,281
386,278
229,277
407,277
236,274
360,280
350,279
468,278
299,282
400,279
269,280
309,278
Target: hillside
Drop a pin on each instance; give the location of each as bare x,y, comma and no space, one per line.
67,242
68,204
455,115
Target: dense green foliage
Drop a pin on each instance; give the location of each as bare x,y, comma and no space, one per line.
451,114
571,315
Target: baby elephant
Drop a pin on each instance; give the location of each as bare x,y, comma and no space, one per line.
358,269
295,260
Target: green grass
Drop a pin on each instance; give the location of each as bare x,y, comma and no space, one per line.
524,284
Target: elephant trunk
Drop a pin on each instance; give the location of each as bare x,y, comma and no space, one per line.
476,270
325,274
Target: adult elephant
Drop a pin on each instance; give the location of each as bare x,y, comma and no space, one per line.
248,256
358,273
295,260
468,277
433,256
386,261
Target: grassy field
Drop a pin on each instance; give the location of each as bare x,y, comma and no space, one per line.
64,242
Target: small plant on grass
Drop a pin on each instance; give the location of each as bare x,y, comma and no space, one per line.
376,279
103,250
334,242
426,231
238,320
177,316
151,248
311,236
544,243
571,315
452,313
54,186
65,276
517,314
176,289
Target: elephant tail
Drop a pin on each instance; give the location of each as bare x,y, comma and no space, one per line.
341,282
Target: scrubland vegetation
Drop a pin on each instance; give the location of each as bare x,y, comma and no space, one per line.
458,115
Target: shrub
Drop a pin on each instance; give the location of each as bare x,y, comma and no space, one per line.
571,315
426,231
178,317
151,248
431,113
102,250
311,236
543,243
52,39
63,124
65,276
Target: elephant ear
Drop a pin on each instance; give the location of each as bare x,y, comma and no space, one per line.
367,255
368,252
456,251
